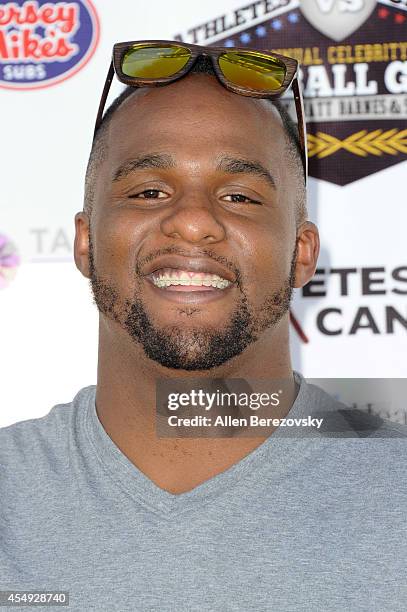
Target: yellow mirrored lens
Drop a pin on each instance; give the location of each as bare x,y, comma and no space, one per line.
154,62
253,70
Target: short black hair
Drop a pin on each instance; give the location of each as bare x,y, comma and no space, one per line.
202,65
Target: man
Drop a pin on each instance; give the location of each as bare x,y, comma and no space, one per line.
193,177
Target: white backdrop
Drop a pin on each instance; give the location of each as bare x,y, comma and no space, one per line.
48,324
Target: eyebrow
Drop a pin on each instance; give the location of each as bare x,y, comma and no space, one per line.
153,160
229,165
235,165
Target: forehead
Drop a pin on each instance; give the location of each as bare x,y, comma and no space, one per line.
195,116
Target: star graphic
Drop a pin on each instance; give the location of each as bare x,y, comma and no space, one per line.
276,24
399,18
383,13
261,31
293,17
245,38
229,43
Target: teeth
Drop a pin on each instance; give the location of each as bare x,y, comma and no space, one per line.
222,284
181,277
166,282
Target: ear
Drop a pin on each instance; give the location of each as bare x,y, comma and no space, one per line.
81,244
307,253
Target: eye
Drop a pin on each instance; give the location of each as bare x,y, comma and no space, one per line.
149,194
239,198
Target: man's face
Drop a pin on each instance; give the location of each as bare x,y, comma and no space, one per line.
184,180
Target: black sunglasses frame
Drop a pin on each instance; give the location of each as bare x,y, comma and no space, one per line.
290,79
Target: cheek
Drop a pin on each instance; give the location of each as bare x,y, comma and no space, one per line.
117,240
266,262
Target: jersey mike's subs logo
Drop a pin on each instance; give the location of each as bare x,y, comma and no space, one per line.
44,43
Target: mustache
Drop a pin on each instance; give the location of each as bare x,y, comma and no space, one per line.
174,250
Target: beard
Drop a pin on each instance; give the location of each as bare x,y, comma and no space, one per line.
185,348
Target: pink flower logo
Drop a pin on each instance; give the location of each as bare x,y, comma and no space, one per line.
9,260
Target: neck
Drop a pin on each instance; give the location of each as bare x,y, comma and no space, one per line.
126,405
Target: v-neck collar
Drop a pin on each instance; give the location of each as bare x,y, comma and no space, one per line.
276,454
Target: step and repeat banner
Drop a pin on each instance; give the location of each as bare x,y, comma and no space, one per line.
349,321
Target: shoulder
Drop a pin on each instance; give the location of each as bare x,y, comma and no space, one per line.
34,443
356,451
341,420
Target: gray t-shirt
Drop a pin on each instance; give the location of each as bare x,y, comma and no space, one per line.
310,523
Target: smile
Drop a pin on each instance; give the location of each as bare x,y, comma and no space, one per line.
186,286
187,280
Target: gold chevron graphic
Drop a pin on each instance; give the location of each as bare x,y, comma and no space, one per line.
363,143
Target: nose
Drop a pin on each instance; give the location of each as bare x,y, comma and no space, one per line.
193,220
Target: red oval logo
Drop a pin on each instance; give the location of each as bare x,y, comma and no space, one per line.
43,43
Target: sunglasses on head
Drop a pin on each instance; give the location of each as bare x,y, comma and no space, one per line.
258,74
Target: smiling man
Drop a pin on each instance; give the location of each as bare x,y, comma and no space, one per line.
194,234
213,193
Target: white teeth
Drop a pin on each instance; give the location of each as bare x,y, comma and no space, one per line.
197,282
165,279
